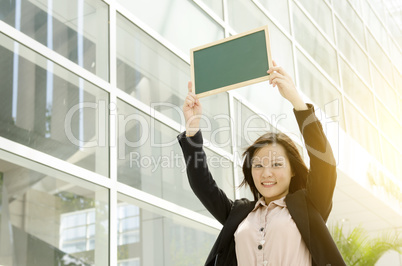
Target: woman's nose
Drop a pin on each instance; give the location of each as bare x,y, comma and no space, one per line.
267,171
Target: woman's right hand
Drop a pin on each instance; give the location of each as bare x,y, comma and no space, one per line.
192,110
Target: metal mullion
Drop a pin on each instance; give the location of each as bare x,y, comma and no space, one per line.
375,97
234,144
113,234
21,154
341,89
156,204
226,17
293,40
272,18
51,55
210,12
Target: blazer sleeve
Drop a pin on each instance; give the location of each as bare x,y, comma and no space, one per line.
321,179
200,178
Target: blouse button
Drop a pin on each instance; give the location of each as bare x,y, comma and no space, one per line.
262,229
259,247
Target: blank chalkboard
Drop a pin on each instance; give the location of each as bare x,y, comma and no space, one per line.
230,63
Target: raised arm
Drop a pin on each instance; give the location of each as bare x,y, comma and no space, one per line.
322,176
199,176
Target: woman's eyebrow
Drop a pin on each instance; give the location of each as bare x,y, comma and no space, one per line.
255,160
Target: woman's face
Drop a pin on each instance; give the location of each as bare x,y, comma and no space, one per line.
271,172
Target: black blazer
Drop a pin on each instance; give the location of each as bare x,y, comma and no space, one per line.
308,207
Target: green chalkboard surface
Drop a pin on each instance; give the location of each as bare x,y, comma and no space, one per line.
233,62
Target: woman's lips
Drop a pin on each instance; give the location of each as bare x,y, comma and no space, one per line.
268,184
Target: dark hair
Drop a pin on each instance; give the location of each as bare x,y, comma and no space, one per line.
297,164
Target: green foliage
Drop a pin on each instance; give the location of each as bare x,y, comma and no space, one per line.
358,249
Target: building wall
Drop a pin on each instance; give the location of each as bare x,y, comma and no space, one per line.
91,95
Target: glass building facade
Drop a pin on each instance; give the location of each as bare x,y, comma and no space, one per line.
91,93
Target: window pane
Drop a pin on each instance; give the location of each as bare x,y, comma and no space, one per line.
357,91
181,22
127,210
215,124
152,68
396,56
216,6
250,126
380,58
362,131
375,25
77,29
384,91
175,240
47,108
314,43
73,221
268,102
352,52
245,15
318,88
150,159
279,10
38,208
356,4
144,67
389,125
322,15
398,81
350,18
390,155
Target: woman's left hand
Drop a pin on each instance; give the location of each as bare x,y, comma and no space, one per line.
279,77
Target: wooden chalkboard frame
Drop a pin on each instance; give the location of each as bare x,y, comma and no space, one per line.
214,45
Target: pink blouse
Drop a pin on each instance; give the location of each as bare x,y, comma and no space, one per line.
269,236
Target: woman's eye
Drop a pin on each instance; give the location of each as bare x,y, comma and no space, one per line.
277,164
257,166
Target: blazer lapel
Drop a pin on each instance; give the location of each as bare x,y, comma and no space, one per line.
237,215
297,206
239,212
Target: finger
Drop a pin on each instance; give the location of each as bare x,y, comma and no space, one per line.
190,86
274,65
278,69
190,100
274,75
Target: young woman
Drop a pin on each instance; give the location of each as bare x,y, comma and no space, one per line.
285,224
